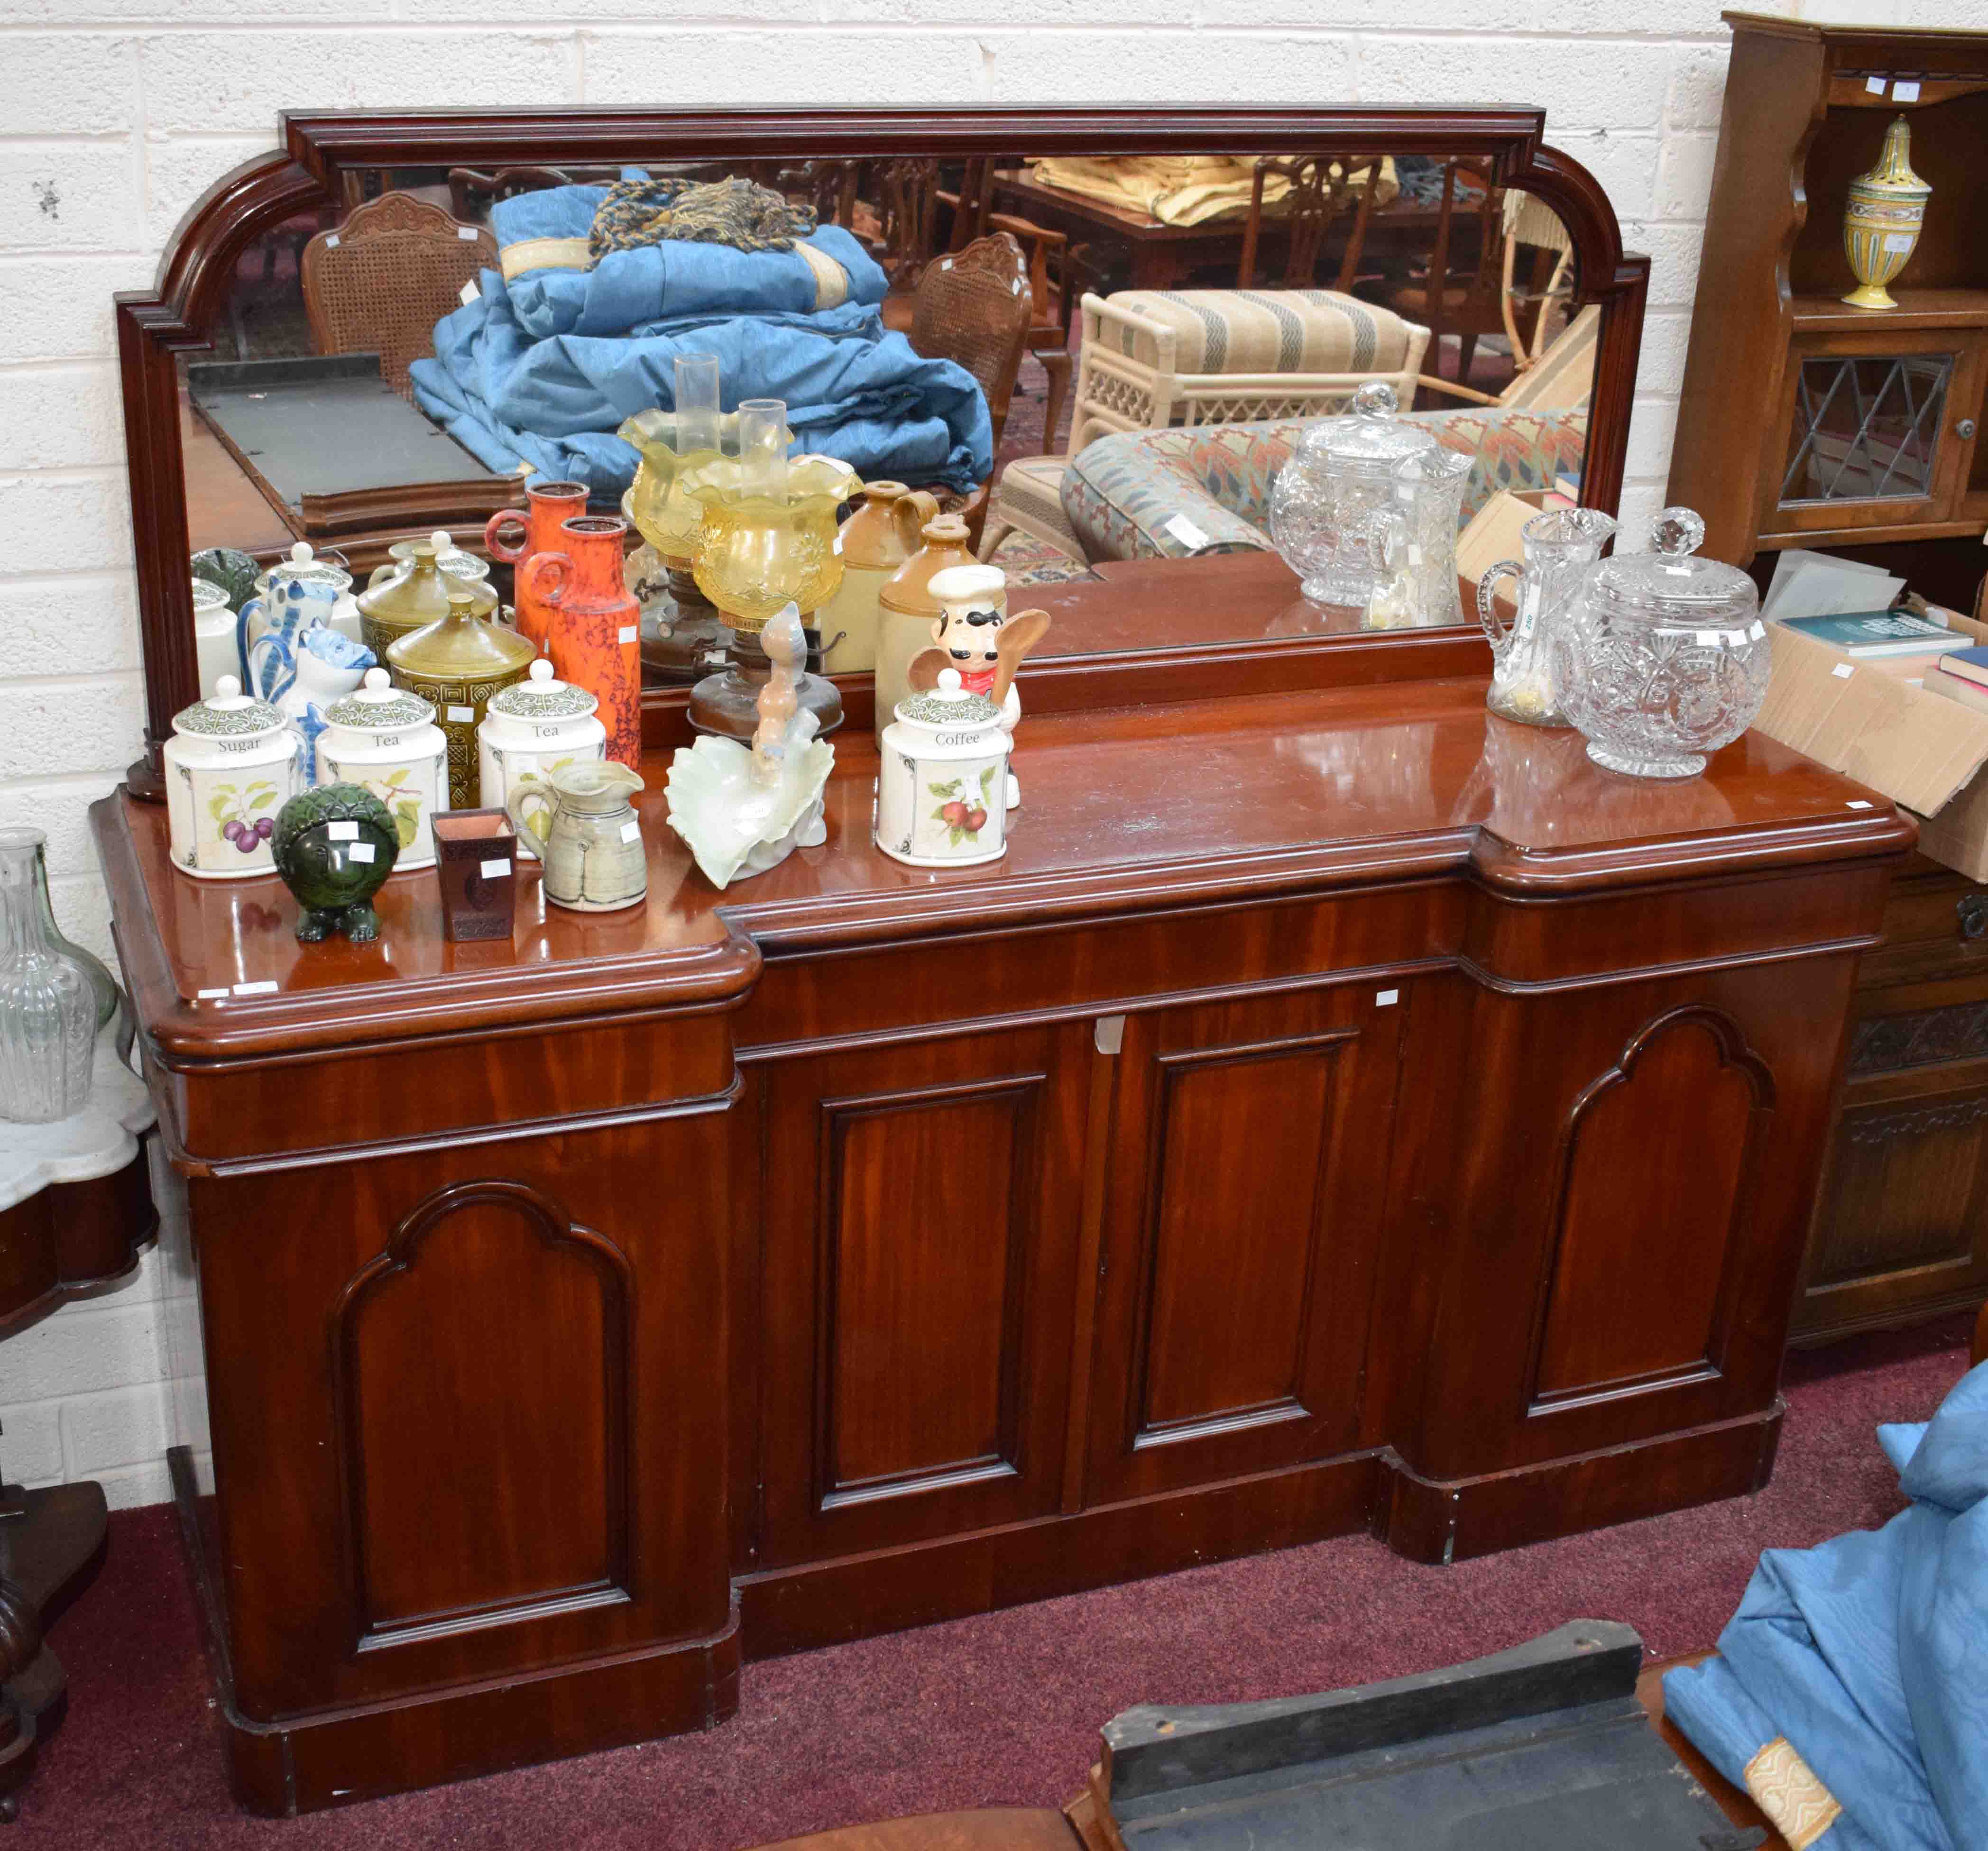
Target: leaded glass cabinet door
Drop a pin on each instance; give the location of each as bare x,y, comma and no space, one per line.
1879,431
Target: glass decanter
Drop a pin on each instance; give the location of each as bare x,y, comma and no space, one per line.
54,996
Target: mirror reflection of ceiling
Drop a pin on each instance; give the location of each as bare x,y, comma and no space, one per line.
972,328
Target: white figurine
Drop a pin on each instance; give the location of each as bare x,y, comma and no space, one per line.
977,637
743,811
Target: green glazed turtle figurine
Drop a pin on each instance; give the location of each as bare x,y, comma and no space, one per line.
334,847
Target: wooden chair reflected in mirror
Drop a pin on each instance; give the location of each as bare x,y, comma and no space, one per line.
1321,190
1460,290
381,281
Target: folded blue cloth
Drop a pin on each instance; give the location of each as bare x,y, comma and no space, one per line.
541,370
1869,1654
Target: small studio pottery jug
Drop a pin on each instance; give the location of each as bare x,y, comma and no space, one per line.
592,848
1560,545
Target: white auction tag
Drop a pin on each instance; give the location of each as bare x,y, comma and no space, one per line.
1903,92
1386,999
210,996
364,851
1858,803
629,633
342,832
461,716
490,870
1896,242
1759,630
631,831
1710,639
264,986
466,233
468,294
1843,670
1185,531
1875,86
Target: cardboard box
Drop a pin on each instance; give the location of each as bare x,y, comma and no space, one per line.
1922,750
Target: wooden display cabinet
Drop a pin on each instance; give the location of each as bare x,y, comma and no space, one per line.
1806,422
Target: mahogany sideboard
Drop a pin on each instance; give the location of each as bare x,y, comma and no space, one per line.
1341,1110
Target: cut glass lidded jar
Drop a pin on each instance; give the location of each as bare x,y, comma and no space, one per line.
1333,506
1663,658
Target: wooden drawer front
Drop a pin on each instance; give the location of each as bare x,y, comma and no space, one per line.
922,1209
1248,1159
1903,1227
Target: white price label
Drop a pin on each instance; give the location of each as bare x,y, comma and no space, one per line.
1843,671
264,986
1185,531
469,293
1386,999
1874,87
342,832
630,632
1905,92
1858,803
1896,242
631,831
210,995
364,851
1710,639
1759,630
490,870
461,716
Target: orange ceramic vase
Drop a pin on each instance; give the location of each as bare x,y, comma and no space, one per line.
595,638
514,538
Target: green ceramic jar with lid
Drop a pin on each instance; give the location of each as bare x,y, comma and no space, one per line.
415,597
456,664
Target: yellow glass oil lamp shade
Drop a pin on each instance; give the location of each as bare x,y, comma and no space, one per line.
767,537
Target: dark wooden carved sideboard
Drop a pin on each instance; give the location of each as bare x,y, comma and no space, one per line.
1340,1110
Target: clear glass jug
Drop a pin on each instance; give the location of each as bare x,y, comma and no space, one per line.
1559,547
1418,586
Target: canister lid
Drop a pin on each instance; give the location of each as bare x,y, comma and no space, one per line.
948,704
542,698
1370,433
379,707
228,714
1667,582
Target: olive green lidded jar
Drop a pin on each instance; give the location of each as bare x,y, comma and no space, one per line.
456,665
413,598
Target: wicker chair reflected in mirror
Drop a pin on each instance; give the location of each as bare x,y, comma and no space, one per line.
380,282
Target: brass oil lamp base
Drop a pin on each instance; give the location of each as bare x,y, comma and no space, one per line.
727,703
697,635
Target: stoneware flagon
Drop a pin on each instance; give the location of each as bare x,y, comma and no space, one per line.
595,638
905,606
231,766
592,849
515,539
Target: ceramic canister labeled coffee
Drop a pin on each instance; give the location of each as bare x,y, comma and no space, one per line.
514,538
595,641
456,665
906,608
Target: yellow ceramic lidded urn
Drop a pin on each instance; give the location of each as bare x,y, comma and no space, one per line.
1881,219
415,597
455,665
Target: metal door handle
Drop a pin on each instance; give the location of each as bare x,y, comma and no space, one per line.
1972,910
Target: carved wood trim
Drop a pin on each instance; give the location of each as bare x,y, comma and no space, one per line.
402,1251
320,149
1022,1093
1140,1429
1734,1053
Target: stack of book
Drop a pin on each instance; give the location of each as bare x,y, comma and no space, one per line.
1961,675
1895,640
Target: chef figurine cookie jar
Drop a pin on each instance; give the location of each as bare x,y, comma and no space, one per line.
944,788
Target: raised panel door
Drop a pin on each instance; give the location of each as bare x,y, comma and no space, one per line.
1243,1206
921,1209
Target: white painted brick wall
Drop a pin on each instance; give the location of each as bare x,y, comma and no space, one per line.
116,114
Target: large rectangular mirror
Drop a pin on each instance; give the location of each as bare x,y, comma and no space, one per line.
1094,339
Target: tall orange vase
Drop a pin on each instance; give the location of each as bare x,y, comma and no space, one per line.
595,639
513,539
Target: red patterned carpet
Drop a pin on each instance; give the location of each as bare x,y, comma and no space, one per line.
1001,1709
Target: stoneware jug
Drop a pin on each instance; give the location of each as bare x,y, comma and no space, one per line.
883,533
595,640
514,538
595,861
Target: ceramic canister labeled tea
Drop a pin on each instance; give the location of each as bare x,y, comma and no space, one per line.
456,665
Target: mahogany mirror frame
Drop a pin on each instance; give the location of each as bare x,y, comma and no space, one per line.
197,269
